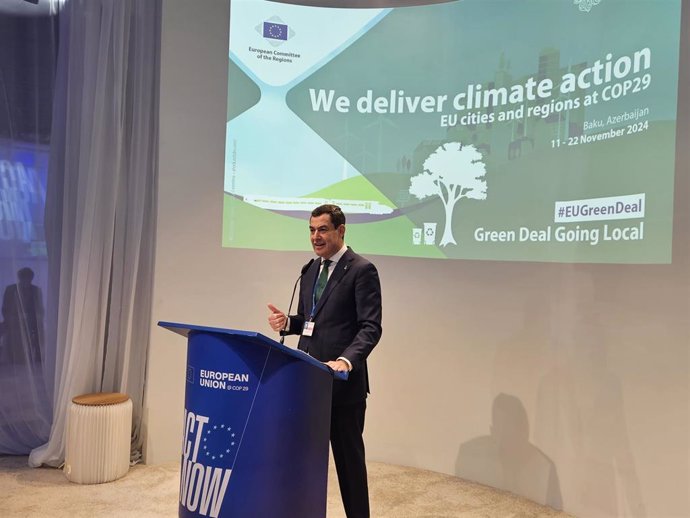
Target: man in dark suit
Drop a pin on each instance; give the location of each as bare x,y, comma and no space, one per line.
22,310
339,323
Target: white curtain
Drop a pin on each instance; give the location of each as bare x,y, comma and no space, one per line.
101,205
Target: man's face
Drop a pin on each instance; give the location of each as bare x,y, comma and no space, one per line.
325,239
25,278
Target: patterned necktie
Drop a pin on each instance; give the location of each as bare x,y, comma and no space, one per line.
323,279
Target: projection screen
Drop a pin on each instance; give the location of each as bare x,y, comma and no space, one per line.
476,129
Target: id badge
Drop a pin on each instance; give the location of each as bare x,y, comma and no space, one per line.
308,328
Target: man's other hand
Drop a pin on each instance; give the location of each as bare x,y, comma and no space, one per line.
338,365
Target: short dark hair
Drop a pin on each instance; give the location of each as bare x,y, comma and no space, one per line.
336,213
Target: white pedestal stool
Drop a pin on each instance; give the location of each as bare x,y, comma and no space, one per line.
99,428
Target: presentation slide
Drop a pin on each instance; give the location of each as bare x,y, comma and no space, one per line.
521,130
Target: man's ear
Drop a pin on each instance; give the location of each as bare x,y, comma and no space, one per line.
341,231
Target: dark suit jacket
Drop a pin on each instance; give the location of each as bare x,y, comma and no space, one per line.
347,320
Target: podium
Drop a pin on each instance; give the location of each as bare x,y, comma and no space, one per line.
256,427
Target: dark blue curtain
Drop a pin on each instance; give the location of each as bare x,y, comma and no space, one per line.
28,52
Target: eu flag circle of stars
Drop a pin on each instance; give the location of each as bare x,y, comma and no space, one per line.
219,446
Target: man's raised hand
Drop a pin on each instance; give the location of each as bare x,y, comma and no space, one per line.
276,319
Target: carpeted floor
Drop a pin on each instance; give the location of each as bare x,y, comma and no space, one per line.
151,491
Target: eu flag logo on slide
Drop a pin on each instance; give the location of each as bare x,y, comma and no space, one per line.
275,31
